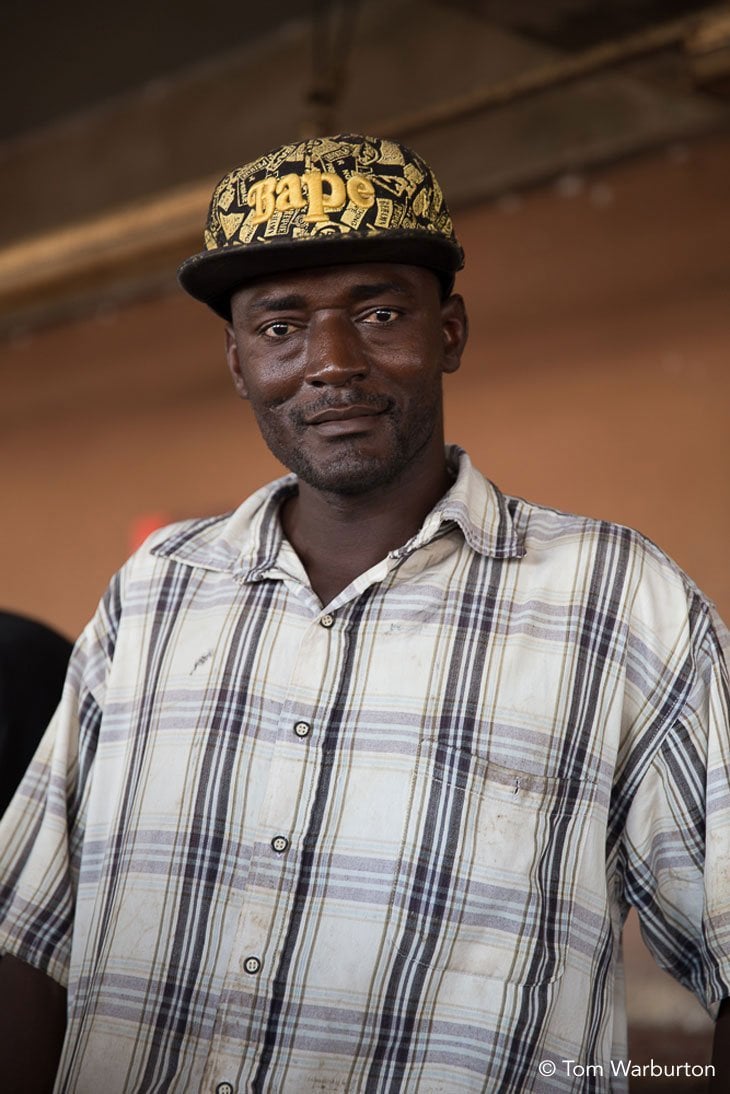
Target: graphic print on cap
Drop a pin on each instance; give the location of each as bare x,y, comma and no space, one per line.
326,186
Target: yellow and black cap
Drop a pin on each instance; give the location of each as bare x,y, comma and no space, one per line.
322,202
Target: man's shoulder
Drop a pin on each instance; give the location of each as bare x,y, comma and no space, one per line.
602,548
543,527
221,542
535,532
177,538
542,524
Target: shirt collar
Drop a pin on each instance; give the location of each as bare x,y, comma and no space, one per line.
247,542
479,509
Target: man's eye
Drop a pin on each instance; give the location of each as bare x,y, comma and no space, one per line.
278,329
381,316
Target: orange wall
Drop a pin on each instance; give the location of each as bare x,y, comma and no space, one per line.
596,380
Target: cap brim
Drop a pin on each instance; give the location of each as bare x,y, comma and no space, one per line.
212,276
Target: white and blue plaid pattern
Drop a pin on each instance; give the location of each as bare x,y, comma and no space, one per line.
515,728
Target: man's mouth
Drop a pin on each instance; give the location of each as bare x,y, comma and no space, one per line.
348,419
344,413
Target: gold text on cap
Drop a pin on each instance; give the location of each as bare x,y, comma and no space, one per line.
326,192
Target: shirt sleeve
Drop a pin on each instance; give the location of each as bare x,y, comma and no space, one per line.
677,834
42,831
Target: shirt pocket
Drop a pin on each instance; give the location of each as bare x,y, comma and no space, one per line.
490,871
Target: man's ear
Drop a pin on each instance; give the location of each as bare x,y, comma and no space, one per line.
234,362
455,331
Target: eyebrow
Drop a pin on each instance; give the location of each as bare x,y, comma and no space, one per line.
295,302
279,303
368,291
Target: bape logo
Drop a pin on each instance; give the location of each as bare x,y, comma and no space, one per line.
319,192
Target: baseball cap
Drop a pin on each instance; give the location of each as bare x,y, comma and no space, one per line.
326,201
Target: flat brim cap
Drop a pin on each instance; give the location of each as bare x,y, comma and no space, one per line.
323,202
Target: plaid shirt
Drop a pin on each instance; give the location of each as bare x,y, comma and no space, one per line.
387,845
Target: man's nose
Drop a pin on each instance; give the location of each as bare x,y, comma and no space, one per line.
334,353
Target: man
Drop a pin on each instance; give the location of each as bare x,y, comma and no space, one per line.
352,790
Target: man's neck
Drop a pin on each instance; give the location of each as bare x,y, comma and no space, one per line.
338,537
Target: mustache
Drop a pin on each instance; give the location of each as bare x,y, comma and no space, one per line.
330,401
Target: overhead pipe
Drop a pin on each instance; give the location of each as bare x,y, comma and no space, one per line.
554,74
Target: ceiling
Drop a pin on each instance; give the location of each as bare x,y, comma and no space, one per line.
60,59
575,24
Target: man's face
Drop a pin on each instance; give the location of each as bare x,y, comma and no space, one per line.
343,366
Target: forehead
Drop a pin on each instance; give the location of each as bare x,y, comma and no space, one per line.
338,285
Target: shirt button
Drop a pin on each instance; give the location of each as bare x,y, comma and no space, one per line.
252,965
280,844
327,620
302,729
224,1088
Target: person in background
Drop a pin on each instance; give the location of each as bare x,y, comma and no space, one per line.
33,663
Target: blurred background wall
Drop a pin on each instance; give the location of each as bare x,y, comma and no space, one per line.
584,147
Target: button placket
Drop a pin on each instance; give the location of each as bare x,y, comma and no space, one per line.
292,775
316,662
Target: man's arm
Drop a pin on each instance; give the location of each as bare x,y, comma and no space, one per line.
721,1049
32,1024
